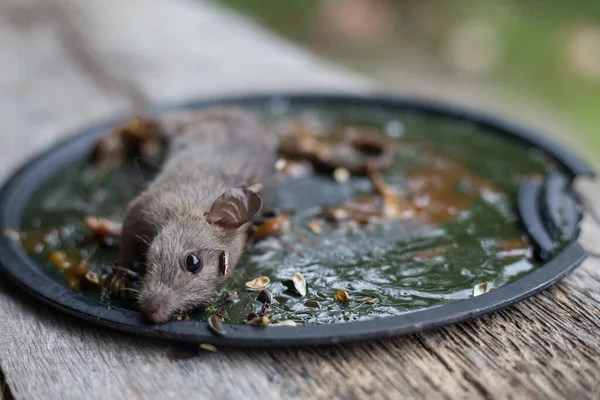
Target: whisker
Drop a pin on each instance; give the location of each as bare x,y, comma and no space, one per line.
145,239
127,271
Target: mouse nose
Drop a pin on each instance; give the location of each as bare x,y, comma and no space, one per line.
157,317
157,304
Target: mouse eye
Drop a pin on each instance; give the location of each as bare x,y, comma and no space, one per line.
193,263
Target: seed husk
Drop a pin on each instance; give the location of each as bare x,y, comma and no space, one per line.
216,325
481,288
81,269
265,296
341,296
182,316
59,259
224,262
315,227
92,278
103,226
337,214
257,187
257,320
274,227
258,284
312,303
370,301
208,347
280,164
287,322
297,284
341,175
266,309
230,296
12,234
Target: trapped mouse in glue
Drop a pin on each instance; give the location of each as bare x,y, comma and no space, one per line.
186,232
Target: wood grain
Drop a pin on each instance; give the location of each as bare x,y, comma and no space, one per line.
71,62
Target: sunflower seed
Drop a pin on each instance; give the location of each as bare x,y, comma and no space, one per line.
341,175
297,284
230,296
258,284
481,288
208,347
265,296
257,187
341,296
266,309
224,262
257,320
287,322
312,303
315,227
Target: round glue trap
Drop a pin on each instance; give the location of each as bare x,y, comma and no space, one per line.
484,217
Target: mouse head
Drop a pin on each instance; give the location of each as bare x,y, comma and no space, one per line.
190,259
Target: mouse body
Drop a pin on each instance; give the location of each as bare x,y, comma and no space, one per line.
197,210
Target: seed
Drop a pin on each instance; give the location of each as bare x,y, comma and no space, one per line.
182,316
266,309
216,325
287,322
257,320
81,269
274,227
12,234
337,214
341,296
258,284
93,278
481,288
178,316
73,282
341,175
297,169
315,227
280,164
103,226
208,347
59,259
257,187
297,284
312,303
265,296
230,296
224,262
300,284
221,313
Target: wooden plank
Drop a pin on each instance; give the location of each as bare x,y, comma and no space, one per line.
101,55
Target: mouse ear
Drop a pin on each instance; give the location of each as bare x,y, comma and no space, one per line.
234,208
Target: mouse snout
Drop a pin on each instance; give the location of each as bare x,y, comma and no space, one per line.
158,317
157,306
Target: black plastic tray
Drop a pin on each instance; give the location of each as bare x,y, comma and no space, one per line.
538,202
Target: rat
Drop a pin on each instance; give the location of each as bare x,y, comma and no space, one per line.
188,229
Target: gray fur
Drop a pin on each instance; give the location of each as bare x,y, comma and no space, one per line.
209,152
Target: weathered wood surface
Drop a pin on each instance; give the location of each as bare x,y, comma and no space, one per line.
66,63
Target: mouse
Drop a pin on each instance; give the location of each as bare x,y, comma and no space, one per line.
187,230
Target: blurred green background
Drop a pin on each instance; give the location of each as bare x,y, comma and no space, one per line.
537,61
